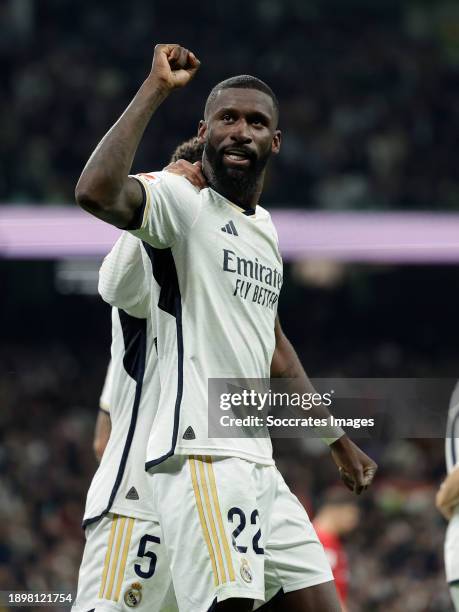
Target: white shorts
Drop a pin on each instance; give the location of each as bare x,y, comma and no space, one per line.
294,556
124,566
232,529
452,548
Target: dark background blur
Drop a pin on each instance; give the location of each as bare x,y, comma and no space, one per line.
369,95
368,91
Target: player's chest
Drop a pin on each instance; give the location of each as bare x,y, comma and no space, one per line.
230,257
220,239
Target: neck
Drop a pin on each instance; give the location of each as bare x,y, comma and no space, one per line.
246,198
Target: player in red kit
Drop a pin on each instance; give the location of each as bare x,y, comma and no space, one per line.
337,516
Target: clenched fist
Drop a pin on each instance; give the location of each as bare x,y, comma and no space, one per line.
356,469
173,66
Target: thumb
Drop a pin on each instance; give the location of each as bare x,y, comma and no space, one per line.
368,476
198,164
193,60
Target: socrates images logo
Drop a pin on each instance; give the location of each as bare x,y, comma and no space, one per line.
133,595
246,572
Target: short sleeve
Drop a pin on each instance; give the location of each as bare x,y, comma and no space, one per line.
123,280
107,390
172,206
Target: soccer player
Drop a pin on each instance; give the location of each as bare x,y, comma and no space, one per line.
448,498
216,267
338,515
117,504
122,562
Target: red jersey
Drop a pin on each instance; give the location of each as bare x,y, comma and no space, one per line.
337,558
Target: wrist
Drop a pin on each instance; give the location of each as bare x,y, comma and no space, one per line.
157,87
337,438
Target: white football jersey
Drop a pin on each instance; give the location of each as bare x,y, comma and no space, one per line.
131,390
218,273
106,395
452,460
452,432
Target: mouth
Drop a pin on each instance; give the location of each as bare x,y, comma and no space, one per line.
237,158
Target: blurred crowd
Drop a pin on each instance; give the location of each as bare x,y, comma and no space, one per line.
368,90
49,406
369,95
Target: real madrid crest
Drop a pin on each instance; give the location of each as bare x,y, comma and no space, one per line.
133,595
246,572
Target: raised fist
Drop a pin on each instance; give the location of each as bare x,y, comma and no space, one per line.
173,66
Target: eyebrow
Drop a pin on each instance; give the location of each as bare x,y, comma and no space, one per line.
252,113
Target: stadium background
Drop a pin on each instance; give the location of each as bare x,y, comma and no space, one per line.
369,96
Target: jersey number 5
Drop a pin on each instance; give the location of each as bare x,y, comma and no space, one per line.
142,552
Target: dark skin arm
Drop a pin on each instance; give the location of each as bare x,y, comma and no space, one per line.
356,469
102,433
104,188
447,497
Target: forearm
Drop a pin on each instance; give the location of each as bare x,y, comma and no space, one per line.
104,188
105,175
356,469
122,277
448,494
286,365
102,434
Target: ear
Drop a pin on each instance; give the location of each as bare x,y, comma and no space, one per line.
276,143
202,130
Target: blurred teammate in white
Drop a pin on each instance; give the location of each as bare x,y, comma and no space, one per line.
118,514
216,267
448,498
122,563
191,151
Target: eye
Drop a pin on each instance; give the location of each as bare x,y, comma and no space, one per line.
227,117
258,121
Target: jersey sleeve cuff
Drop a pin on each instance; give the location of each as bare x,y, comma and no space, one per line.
333,436
140,216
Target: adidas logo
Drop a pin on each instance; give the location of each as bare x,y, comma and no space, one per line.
189,434
132,493
230,228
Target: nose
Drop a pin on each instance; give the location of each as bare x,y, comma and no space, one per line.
241,133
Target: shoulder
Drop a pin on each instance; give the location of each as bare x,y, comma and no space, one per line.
265,217
167,180
262,213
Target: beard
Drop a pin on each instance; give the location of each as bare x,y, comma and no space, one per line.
237,184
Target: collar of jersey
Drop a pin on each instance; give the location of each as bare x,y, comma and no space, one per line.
244,211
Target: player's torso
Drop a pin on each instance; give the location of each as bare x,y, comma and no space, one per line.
229,275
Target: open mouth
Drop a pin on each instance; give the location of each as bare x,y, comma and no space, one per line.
236,158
